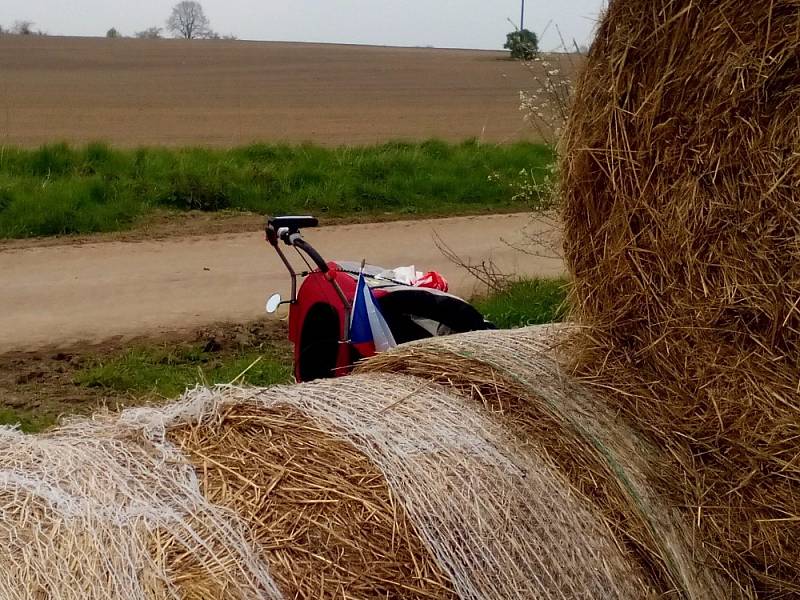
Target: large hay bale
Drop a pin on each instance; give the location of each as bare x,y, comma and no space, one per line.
682,216
369,486
516,375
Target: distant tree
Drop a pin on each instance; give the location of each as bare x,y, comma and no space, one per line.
523,44
188,21
113,33
151,33
23,28
213,35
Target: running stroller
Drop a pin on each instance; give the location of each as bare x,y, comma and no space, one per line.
320,311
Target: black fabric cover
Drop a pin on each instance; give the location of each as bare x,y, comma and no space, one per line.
403,303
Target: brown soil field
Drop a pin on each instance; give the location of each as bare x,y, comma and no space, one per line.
132,92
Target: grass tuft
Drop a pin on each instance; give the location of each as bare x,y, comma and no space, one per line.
526,302
167,372
29,423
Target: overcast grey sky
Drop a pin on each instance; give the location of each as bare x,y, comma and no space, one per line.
442,23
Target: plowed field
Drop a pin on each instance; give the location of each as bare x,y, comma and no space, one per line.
224,93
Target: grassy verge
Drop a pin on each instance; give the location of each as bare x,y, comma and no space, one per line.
147,374
526,302
168,372
26,420
58,189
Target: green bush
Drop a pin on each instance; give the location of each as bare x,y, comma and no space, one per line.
523,44
97,157
191,191
6,198
69,207
52,160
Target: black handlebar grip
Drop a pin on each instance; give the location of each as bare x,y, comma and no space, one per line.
272,235
301,244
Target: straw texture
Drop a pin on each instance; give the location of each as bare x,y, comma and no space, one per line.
107,509
373,486
501,522
319,511
517,376
682,235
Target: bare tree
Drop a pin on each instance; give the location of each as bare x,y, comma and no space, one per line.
23,28
188,21
151,33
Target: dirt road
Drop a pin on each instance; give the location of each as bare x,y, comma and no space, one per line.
61,295
224,93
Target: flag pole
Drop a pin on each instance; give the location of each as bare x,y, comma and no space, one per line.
349,313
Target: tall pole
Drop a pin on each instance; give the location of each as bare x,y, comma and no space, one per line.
522,17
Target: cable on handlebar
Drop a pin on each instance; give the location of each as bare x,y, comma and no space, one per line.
298,242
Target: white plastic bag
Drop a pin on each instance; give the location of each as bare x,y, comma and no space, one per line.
405,275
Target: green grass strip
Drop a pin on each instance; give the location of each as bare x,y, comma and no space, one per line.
58,189
168,372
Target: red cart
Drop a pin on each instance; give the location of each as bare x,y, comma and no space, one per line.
319,312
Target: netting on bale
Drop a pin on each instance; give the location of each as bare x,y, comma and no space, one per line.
518,377
317,508
386,485
102,510
682,234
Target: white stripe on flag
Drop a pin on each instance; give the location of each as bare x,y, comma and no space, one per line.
381,334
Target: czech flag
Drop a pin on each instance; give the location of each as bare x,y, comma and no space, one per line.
369,331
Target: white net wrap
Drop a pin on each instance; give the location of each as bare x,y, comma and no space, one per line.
100,508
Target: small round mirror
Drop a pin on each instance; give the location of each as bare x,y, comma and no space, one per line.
273,303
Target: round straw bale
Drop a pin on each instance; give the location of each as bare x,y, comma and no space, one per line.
374,485
500,519
516,376
319,510
680,175
103,509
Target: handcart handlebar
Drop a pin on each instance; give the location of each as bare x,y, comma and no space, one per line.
293,224
298,242
287,229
